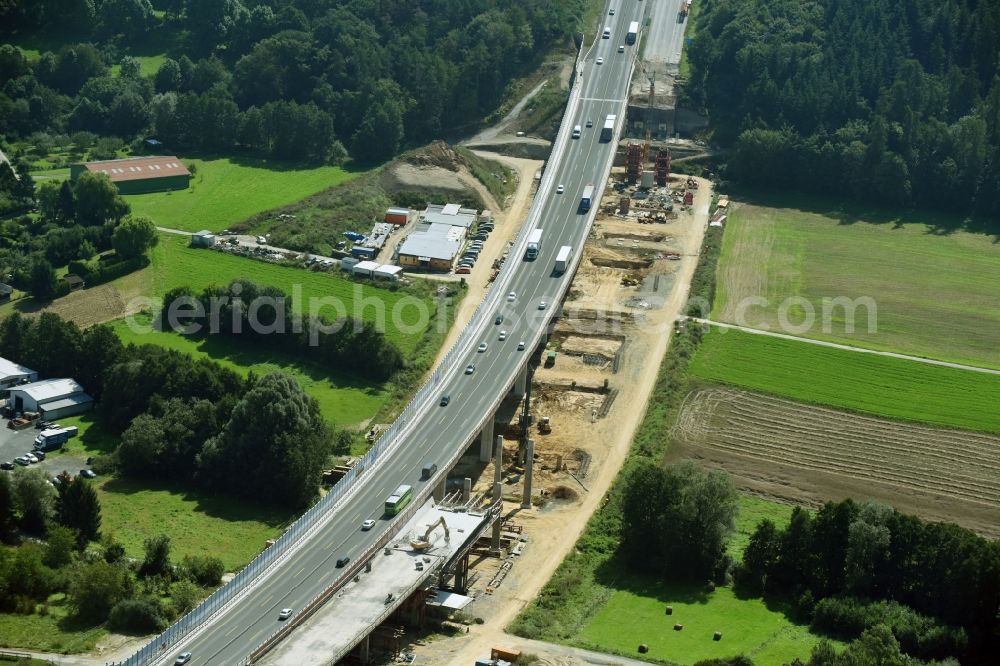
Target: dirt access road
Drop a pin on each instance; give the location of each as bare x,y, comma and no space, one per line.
552,532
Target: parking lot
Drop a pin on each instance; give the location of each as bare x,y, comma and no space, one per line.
17,443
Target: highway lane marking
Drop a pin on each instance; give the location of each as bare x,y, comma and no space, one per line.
299,572
601,99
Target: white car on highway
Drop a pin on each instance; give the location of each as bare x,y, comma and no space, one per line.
511,296
482,347
367,525
542,305
285,614
560,189
600,61
503,335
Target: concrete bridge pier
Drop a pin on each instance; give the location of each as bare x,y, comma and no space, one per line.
364,650
521,383
486,440
439,489
529,467
497,495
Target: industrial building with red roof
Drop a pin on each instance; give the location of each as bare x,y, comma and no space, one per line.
135,175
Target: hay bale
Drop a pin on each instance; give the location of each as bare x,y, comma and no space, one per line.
678,626
718,636
643,648
670,610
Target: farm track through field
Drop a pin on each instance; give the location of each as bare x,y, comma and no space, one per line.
958,464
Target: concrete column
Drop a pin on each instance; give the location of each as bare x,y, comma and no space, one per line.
363,650
521,382
497,494
466,489
439,491
486,440
529,466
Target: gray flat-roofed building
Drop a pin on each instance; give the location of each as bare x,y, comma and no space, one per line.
431,247
452,214
12,374
53,398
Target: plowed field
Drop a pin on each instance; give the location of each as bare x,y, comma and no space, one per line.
811,454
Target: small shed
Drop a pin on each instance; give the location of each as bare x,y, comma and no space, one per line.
74,281
203,238
387,272
397,216
5,292
362,252
365,268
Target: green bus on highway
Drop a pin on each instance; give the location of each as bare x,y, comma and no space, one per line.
400,498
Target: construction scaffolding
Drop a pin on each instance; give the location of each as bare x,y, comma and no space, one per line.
662,167
633,162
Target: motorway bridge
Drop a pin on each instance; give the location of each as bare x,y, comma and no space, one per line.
231,625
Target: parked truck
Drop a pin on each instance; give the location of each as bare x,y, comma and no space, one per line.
588,196
53,438
633,32
608,130
563,258
534,245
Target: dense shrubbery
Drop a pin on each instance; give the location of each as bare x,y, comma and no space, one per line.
892,102
871,552
356,346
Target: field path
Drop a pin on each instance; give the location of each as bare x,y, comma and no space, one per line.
835,345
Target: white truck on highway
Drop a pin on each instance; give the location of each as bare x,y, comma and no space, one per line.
608,131
563,258
588,196
633,31
534,245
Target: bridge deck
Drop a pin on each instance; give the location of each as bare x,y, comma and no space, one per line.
343,622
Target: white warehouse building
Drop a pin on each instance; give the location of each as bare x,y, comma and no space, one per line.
12,374
52,398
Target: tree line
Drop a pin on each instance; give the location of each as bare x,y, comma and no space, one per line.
363,74
890,102
852,566
346,344
183,418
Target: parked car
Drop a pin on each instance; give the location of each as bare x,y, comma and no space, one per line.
22,461
285,614
261,240
7,465
38,454
32,458
88,474
367,525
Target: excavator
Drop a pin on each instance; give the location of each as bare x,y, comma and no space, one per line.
424,543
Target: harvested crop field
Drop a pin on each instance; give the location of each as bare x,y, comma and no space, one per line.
809,454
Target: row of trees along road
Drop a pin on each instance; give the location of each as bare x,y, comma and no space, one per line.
890,102
368,75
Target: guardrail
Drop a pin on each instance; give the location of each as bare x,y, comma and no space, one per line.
225,595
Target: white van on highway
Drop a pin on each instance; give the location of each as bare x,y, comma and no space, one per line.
577,131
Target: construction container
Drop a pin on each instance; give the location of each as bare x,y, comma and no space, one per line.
508,654
397,216
647,179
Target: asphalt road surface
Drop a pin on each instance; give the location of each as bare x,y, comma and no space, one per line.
437,432
666,34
